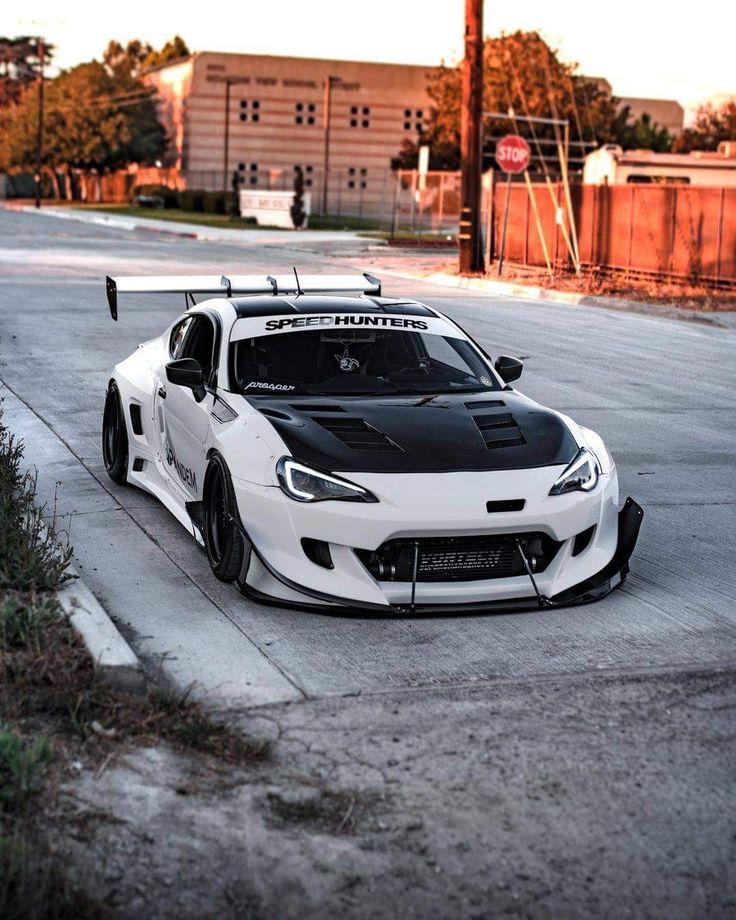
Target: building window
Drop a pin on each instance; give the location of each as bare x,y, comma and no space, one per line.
416,115
357,178
360,115
304,113
308,171
248,173
255,105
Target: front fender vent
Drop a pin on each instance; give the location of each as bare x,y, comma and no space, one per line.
356,433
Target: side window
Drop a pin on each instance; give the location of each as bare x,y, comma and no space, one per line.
177,337
200,344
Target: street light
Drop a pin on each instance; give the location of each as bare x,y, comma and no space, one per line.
228,81
329,83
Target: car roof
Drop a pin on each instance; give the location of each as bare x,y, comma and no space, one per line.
270,305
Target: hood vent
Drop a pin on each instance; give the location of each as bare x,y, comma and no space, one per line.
499,429
317,407
356,433
485,404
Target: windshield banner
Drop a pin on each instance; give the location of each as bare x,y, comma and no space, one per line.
252,327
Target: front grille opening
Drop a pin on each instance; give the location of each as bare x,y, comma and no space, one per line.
582,540
459,558
356,433
509,504
318,552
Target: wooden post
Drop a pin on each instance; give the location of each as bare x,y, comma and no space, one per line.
505,222
471,109
41,50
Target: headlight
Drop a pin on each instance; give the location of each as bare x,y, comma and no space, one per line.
304,484
581,474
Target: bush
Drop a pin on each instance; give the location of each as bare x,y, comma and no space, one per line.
168,196
217,202
192,199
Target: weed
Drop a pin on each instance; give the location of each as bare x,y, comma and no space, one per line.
22,764
23,623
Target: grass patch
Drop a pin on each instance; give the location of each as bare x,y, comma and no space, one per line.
174,215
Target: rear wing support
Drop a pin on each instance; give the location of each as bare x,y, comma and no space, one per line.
232,285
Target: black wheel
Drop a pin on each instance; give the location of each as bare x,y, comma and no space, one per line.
115,436
222,537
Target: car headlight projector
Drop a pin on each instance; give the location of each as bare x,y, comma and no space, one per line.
581,474
304,484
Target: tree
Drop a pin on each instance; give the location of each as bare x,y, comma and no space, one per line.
298,214
174,49
643,134
20,65
712,125
523,72
94,122
137,56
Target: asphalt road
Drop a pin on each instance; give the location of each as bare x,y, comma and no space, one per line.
567,763
660,392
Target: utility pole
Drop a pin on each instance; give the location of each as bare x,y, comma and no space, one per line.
226,151
41,51
329,83
471,124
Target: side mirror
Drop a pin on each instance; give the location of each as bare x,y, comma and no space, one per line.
508,369
186,372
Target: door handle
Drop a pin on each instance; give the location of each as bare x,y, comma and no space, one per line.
162,393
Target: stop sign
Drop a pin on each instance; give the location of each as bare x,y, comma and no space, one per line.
512,153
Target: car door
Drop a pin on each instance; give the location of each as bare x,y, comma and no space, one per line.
184,422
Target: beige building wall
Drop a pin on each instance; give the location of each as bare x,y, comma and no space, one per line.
277,121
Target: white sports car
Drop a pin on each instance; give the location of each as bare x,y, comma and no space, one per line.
360,452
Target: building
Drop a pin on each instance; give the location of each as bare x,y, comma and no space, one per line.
261,116
611,165
666,113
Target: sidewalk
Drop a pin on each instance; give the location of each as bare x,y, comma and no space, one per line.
255,237
725,319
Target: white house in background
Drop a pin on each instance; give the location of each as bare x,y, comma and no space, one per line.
612,165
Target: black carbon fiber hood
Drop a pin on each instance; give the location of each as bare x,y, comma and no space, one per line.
382,434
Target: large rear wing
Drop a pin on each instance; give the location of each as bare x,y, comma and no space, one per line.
230,285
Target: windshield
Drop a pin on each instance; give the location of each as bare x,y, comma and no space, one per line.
357,362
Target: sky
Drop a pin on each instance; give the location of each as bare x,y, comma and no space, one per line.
643,47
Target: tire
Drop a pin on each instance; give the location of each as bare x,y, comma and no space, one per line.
115,437
222,537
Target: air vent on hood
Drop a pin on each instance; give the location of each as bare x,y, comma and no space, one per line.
357,434
317,407
499,429
274,413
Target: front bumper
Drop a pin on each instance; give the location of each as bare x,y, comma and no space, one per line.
439,506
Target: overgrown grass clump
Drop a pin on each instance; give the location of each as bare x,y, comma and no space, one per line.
32,558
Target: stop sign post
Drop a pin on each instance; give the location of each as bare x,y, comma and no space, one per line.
512,155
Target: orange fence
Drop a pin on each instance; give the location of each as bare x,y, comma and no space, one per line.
680,232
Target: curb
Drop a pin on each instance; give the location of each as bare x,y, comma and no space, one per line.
119,223
569,298
113,659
